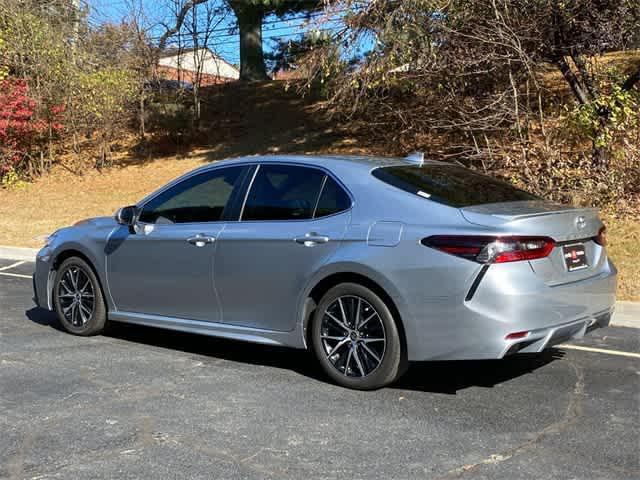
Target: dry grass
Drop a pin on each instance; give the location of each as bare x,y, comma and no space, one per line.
31,211
623,236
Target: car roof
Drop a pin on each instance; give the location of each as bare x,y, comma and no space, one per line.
331,162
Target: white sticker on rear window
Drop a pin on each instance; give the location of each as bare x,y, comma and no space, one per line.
424,194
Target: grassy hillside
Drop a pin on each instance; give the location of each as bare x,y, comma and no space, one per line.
239,120
257,118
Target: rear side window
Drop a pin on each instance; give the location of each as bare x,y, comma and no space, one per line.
332,200
451,185
283,192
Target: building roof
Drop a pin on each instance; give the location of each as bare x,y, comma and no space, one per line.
189,60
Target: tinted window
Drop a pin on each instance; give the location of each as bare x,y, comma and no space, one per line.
332,200
201,198
283,192
450,184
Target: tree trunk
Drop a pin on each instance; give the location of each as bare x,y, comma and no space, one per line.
250,16
631,80
589,82
599,155
196,106
572,80
599,158
143,131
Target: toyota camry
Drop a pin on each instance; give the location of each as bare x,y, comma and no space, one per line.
370,262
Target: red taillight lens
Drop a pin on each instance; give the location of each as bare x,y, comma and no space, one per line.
517,335
488,249
601,238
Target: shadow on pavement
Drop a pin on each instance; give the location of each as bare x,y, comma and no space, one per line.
449,377
44,317
436,377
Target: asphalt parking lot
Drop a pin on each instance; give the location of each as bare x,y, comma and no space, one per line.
146,403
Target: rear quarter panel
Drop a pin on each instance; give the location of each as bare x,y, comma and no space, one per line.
425,285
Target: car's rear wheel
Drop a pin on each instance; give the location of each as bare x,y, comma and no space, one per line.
356,338
78,298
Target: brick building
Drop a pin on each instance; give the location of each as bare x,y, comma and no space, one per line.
183,65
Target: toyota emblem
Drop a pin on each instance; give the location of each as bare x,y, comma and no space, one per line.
581,222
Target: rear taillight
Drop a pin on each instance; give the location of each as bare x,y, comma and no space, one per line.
488,249
601,238
517,335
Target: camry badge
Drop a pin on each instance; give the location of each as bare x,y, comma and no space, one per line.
581,222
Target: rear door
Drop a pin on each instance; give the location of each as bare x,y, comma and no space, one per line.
293,219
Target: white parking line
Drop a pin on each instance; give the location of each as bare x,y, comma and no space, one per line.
19,275
600,350
9,267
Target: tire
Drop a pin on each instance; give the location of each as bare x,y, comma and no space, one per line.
88,314
362,361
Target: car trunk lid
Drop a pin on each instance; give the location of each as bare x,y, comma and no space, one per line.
568,226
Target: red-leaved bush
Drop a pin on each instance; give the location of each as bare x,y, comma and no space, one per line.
20,127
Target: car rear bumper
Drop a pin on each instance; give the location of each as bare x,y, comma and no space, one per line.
538,340
511,299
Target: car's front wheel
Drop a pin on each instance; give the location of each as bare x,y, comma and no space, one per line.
78,298
356,338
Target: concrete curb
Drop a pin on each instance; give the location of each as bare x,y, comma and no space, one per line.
18,253
627,314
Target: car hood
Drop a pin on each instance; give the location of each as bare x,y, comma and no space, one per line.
97,222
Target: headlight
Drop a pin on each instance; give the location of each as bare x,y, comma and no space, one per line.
49,240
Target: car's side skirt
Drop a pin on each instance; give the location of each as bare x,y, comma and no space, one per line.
214,329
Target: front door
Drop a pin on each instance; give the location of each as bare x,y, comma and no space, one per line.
293,220
164,266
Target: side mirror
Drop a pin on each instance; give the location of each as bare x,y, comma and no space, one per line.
126,215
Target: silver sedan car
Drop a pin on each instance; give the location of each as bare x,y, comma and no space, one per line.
370,262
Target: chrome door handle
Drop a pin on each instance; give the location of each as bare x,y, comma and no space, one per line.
201,240
311,239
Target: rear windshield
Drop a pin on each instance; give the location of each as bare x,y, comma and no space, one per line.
451,185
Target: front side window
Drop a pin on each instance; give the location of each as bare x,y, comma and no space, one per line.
201,198
283,192
451,185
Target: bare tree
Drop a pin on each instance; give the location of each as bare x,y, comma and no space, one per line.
180,14
473,81
473,57
204,21
145,54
